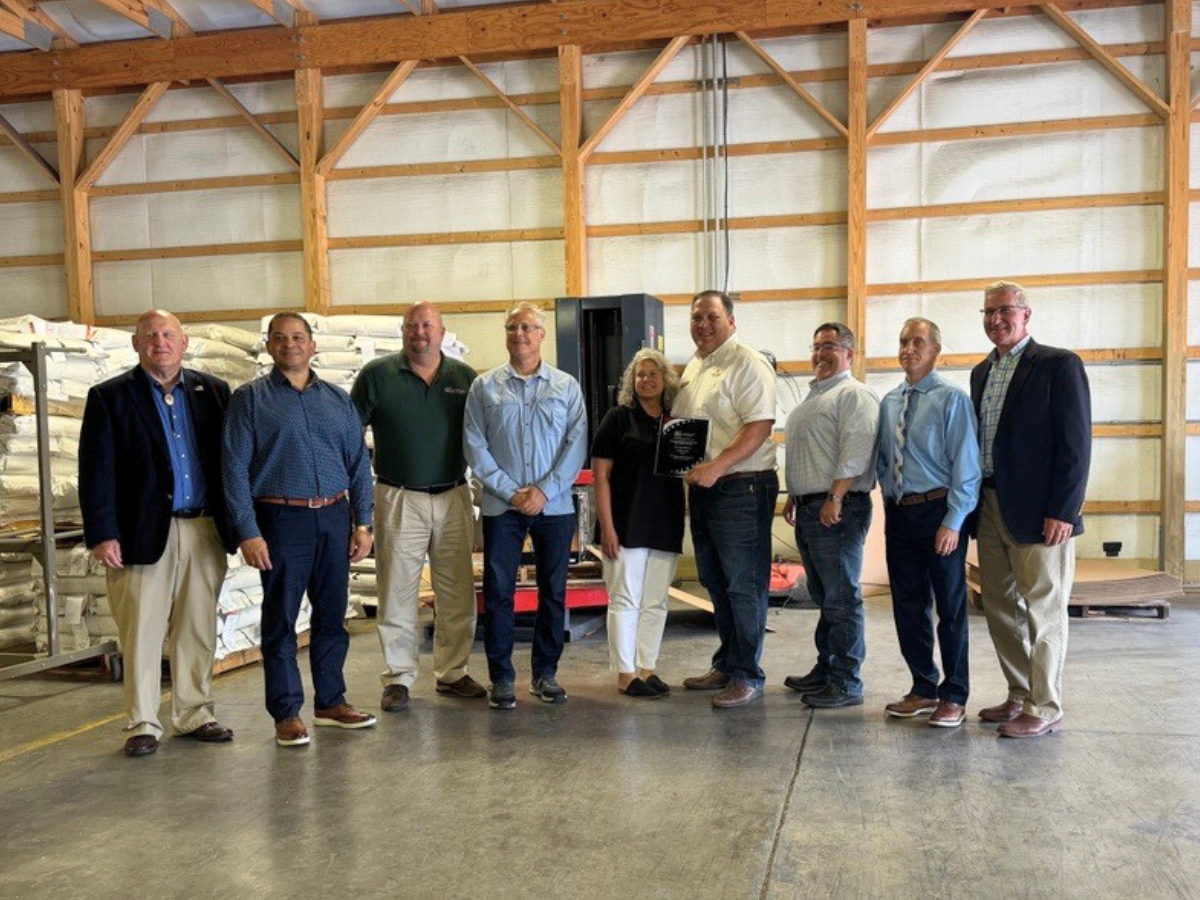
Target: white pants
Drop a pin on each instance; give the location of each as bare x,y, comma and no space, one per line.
409,525
637,584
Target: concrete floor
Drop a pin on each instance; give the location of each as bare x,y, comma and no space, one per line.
606,797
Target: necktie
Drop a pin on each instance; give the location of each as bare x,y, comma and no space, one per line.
898,442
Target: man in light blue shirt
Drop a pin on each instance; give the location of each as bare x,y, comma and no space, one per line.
928,468
525,435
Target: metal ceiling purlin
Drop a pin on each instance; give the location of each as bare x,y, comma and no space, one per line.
518,28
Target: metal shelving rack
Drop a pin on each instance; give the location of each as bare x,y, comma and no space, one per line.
44,547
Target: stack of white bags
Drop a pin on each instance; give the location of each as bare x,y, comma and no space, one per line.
84,616
225,352
18,600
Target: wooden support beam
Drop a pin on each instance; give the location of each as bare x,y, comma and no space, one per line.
203,316
636,90
856,194
514,108
197,250
797,88
26,23
417,170
77,232
149,17
926,71
1175,283
1106,59
273,142
194,184
570,88
366,115
30,196
443,238
309,103
28,9
23,146
123,133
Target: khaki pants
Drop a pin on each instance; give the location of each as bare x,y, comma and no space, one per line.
176,599
1026,589
409,525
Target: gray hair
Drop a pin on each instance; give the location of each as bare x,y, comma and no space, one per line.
1006,287
845,335
526,307
626,395
935,333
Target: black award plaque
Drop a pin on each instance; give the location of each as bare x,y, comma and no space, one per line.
681,445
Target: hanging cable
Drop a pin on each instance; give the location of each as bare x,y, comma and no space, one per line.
724,154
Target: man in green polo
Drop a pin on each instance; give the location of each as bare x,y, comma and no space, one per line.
414,401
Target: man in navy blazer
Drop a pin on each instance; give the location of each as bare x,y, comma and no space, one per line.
1035,434
154,514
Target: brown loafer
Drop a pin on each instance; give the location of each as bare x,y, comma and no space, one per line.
1004,712
394,699
948,715
141,745
342,716
911,705
291,732
211,733
712,680
738,693
1027,726
466,687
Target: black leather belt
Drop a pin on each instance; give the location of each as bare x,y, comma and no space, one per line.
197,512
432,490
918,499
735,476
806,499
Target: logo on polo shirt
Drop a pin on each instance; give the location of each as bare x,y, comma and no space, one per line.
453,390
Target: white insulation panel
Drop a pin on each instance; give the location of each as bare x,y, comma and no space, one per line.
199,283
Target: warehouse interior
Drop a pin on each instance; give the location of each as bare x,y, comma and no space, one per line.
860,162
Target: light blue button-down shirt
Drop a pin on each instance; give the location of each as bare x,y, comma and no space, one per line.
526,430
191,489
941,449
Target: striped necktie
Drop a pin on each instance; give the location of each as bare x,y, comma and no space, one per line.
899,439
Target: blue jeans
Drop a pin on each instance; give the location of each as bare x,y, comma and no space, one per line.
920,579
310,551
731,533
503,538
833,566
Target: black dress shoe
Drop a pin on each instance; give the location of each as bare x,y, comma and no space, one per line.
806,684
832,697
658,684
639,688
141,745
212,733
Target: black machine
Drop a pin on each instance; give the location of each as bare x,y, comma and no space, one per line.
597,337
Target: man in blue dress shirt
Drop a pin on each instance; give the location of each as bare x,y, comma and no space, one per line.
928,468
526,439
298,486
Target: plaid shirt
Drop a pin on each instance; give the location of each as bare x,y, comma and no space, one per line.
992,403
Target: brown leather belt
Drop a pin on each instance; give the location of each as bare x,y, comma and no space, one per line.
313,503
917,499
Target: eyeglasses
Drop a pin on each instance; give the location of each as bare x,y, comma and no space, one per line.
1004,311
827,346
522,327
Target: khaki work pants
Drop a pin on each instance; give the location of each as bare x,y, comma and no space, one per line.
176,599
1026,589
408,526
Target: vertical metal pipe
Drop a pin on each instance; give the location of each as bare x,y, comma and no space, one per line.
45,495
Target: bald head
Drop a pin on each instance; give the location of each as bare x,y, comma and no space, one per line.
159,341
423,333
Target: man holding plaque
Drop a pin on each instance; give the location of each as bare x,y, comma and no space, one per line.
731,494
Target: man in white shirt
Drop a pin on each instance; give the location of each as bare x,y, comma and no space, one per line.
731,494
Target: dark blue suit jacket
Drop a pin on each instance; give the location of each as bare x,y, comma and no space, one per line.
1043,444
125,476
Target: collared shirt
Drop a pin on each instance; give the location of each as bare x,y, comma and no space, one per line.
730,387
992,403
831,436
941,449
281,442
526,430
191,488
418,427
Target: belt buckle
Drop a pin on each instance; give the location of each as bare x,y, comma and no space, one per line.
313,502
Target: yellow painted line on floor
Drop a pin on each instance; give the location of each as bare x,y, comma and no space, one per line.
49,740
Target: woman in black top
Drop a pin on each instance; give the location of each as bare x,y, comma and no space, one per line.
641,522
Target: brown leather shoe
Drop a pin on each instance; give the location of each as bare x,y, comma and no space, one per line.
1027,726
394,699
291,732
738,693
466,687
342,716
712,680
948,715
1005,712
211,733
912,705
141,745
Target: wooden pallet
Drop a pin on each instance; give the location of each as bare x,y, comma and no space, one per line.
240,658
